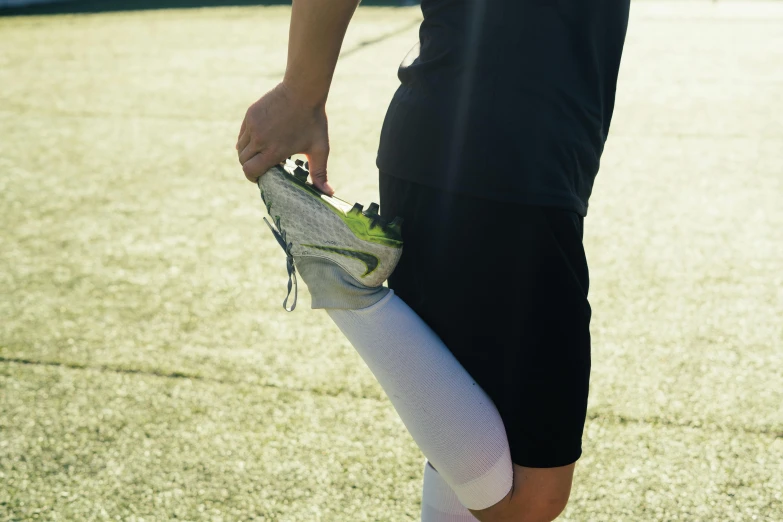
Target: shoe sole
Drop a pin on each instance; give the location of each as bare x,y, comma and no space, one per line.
366,225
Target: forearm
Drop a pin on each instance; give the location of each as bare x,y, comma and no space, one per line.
315,37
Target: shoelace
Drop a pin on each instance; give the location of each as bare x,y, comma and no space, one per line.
281,240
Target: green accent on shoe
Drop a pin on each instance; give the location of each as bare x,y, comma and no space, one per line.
369,260
364,227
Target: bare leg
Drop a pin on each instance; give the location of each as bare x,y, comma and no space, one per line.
538,495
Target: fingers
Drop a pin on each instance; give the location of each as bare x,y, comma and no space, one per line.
256,166
252,149
244,141
241,132
318,159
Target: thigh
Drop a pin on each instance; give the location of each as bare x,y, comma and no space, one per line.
505,287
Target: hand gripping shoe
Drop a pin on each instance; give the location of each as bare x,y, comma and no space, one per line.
344,254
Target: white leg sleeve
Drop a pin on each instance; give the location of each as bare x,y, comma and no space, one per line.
439,503
454,422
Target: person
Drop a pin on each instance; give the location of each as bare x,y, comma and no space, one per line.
489,152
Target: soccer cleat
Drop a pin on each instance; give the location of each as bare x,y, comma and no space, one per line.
343,253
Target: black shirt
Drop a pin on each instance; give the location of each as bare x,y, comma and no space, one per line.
508,99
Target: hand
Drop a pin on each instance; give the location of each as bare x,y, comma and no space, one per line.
279,125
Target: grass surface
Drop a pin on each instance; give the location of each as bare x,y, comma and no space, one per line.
147,370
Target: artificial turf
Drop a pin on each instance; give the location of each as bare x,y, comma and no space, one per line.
148,371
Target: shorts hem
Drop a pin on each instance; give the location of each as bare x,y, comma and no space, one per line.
555,460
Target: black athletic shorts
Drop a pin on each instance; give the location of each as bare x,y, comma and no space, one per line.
505,287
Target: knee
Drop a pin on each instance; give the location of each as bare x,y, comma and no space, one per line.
544,509
538,495
541,494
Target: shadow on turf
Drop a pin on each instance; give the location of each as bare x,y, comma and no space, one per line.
107,6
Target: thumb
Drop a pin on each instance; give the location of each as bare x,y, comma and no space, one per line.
318,159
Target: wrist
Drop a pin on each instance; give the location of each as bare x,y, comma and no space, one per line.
306,93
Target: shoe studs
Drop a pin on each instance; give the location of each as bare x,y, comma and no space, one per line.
300,173
372,215
372,210
395,225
